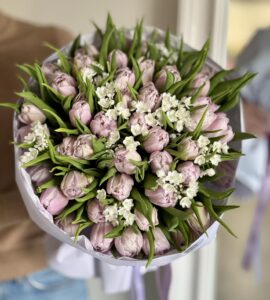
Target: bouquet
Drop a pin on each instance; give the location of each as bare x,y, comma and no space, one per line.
121,144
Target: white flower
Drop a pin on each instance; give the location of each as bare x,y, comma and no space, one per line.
182,113
215,159
130,143
98,65
192,190
169,187
220,147
151,120
129,219
29,155
88,74
186,101
161,173
185,202
174,177
179,126
173,136
137,129
171,114
141,107
105,94
128,203
29,138
210,172
101,194
113,138
199,160
163,49
106,102
111,113
168,102
203,141
122,110
111,214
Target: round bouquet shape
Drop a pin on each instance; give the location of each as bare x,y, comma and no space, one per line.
122,145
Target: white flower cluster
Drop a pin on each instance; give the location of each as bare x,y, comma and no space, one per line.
130,143
176,110
173,182
210,153
114,136
106,95
117,211
38,139
166,53
120,109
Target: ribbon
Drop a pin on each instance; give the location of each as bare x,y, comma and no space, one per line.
252,252
163,281
138,287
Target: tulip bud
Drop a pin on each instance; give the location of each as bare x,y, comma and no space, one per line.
67,146
74,184
194,223
178,238
162,76
199,80
53,200
161,198
156,140
65,85
50,70
95,211
228,135
160,161
39,174
120,186
124,76
91,50
129,243
22,132
190,171
82,60
122,160
82,147
97,237
149,95
30,113
120,57
126,99
80,110
188,149
67,226
143,223
102,125
147,67
207,101
161,244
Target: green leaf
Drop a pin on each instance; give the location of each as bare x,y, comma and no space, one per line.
75,45
239,136
41,80
150,182
220,209
50,183
57,97
197,132
28,69
115,232
67,131
177,87
103,54
87,197
39,159
14,106
70,209
214,194
209,206
110,173
90,96
142,200
137,72
229,103
180,214
169,81
214,81
82,127
98,144
81,228
197,214
59,121
168,39
65,65
151,239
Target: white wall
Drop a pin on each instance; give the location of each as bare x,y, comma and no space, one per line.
76,15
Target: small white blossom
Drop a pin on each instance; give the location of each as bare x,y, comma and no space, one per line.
128,203
130,143
169,187
101,194
168,102
29,138
141,107
203,141
185,202
174,177
122,110
111,113
113,138
111,214
215,159
210,172
29,155
171,114
129,219
151,120
192,190
88,74
186,101
199,160
163,49
161,173
106,102
179,126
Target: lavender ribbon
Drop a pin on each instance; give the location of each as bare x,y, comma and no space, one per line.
163,281
138,287
252,252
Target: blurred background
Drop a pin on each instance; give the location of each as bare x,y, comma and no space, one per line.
245,17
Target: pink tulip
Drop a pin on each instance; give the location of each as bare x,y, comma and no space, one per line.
188,149
65,85
156,140
160,161
22,132
161,244
190,171
30,113
50,70
161,198
149,95
147,67
120,57
53,200
124,76
82,147
122,160
143,223
120,186
162,76
129,243
194,223
80,110
82,60
95,211
67,146
102,125
67,226
98,239
39,174
199,80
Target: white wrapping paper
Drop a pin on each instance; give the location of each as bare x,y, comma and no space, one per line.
45,221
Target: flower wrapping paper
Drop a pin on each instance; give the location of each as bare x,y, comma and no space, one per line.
45,221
